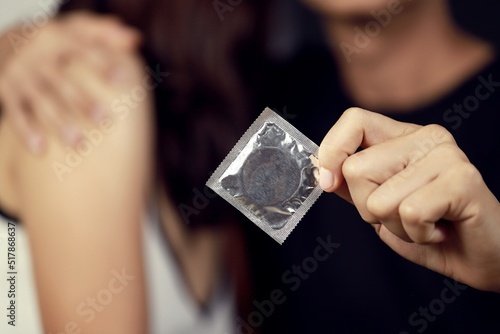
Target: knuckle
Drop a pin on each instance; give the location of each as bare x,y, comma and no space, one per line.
450,152
470,172
463,177
369,218
354,113
438,133
378,205
354,167
419,237
409,212
410,128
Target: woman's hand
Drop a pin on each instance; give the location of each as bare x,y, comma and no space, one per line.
34,91
420,192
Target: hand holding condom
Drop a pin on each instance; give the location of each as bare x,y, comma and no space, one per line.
424,198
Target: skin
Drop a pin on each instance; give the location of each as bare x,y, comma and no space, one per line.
345,8
86,226
100,198
464,249
418,57
423,179
83,228
23,80
419,184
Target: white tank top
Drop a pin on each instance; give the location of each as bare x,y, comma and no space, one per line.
172,310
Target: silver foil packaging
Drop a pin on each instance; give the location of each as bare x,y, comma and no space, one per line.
269,175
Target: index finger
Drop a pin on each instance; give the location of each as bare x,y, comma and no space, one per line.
102,30
355,128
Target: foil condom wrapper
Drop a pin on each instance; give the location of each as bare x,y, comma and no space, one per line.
270,176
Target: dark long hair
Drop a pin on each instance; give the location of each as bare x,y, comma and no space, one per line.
204,106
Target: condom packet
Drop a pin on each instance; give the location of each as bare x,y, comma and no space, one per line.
270,175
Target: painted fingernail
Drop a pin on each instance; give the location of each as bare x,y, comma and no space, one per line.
97,113
35,143
326,179
117,75
71,135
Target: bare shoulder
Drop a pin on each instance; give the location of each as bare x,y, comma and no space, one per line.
114,153
82,207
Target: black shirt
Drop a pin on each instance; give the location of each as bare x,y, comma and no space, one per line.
363,286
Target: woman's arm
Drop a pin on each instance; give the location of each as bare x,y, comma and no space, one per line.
82,210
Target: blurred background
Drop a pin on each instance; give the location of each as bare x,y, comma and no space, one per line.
295,24
292,28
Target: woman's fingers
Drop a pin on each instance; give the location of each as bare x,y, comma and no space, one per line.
37,96
65,91
104,31
92,83
356,128
73,98
22,120
49,111
101,91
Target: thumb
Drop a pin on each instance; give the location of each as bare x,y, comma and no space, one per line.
355,128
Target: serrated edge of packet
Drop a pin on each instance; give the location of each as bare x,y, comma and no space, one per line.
294,133
267,115
300,213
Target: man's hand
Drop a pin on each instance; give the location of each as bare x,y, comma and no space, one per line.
37,96
420,192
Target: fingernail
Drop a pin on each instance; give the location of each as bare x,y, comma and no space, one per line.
97,113
71,135
117,75
35,143
326,179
